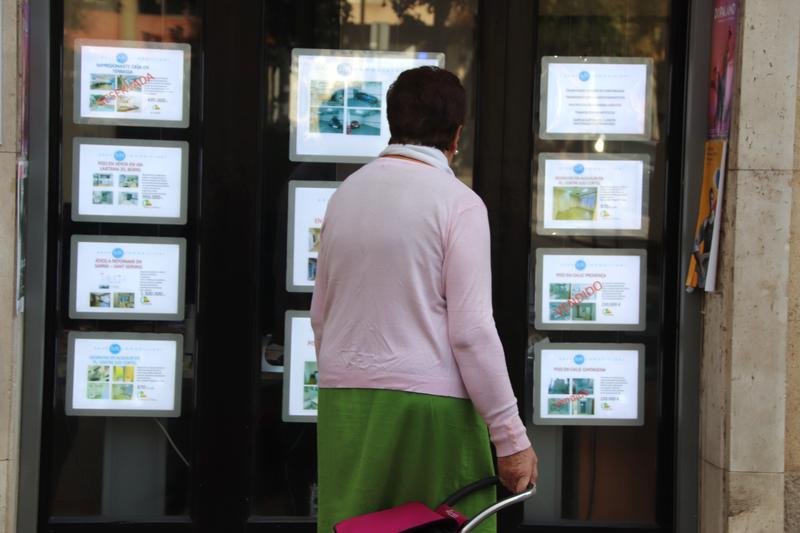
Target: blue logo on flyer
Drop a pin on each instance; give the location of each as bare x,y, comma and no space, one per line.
579,359
584,76
344,69
118,253
580,264
114,348
122,57
578,169
119,155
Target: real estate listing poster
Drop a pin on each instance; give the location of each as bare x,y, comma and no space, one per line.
124,374
338,101
300,373
127,278
588,384
307,203
132,83
590,289
590,97
128,180
586,194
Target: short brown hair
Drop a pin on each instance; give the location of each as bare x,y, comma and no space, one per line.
425,106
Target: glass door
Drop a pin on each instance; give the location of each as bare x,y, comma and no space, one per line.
584,250
284,453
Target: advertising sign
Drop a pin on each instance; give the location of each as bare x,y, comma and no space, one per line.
587,194
20,227
124,374
127,278
132,83
705,247
338,102
307,203
590,289
300,373
723,61
588,384
589,97
127,180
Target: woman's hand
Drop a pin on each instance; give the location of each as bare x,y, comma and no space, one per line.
516,471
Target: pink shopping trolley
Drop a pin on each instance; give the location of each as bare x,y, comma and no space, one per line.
416,517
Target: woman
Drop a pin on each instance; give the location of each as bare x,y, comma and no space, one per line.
411,369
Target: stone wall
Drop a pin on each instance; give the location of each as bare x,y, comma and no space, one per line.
10,324
750,459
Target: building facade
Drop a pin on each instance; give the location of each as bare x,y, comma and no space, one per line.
710,444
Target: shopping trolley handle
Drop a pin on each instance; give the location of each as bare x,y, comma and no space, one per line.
494,508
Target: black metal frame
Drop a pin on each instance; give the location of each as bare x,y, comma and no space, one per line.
230,173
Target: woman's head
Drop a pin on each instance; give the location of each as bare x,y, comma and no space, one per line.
426,106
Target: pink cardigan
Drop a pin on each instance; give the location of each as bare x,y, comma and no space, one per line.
403,297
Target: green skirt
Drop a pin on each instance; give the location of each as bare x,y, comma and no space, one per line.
379,448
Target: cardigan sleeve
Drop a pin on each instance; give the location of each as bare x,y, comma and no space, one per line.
472,333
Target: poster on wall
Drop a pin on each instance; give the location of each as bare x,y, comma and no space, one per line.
300,373
723,61
132,83
338,101
307,203
588,384
590,289
127,278
24,79
124,374
588,194
705,247
129,180
21,231
592,97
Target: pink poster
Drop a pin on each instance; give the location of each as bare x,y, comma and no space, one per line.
723,56
25,73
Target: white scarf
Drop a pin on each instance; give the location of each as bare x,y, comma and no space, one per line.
427,154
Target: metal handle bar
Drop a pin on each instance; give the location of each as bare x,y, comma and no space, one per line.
492,509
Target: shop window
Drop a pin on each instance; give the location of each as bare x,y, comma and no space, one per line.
118,467
600,473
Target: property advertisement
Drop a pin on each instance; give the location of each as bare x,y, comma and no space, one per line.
126,180
308,201
592,97
300,373
583,194
124,374
132,83
585,289
127,277
705,248
338,102
723,61
589,384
